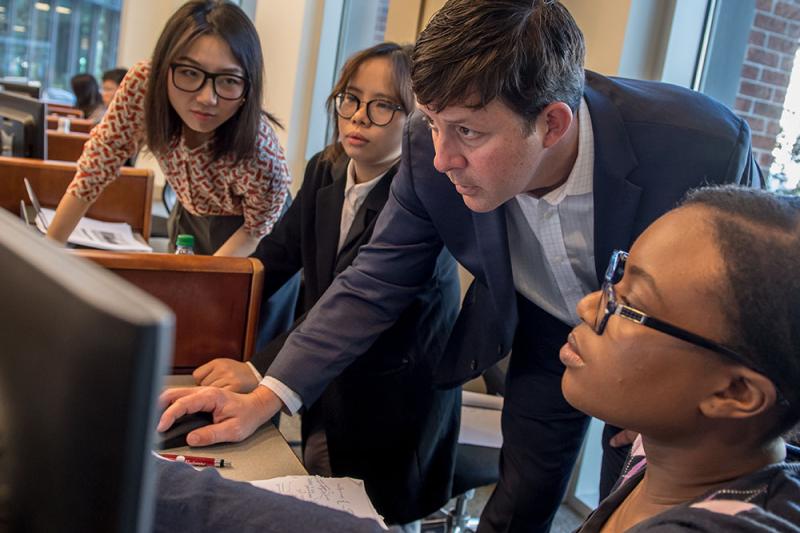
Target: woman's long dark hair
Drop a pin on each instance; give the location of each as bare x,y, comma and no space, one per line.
87,93
238,136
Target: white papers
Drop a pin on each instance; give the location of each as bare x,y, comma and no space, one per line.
340,493
115,236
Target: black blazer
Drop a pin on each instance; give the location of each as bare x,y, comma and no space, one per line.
385,423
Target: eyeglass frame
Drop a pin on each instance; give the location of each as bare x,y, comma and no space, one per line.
612,276
338,97
213,77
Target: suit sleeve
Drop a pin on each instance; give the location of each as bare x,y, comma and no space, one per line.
369,296
742,166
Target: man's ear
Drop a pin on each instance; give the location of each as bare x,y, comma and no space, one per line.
745,393
554,120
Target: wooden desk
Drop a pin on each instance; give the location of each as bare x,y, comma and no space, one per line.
64,110
76,125
216,300
263,455
65,146
129,198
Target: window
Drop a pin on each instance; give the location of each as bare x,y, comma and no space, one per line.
50,41
349,26
751,65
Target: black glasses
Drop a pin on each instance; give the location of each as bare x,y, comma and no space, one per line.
191,79
609,306
379,112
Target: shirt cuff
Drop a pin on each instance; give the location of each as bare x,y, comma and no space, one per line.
256,373
291,400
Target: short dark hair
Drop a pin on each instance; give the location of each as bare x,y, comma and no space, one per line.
115,75
758,237
528,53
238,136
399,56
87,93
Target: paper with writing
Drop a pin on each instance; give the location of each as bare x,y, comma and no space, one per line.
341,493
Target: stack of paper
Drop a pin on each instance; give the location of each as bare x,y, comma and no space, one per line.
116,236
340,493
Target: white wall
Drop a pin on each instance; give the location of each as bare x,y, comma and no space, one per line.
289,33
141,23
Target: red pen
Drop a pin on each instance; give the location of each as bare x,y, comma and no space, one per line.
195,460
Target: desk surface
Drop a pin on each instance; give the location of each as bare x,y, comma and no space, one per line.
263,455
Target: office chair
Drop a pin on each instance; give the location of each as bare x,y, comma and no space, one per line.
477,460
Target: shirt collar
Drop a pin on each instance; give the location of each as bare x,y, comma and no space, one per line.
360,190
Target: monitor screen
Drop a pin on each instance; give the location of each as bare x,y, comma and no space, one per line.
23,126
82,363
22,87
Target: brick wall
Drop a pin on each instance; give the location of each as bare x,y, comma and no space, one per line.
768,64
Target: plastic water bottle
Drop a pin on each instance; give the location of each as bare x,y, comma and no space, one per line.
184,244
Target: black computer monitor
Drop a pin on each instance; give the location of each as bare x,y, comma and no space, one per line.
23,126
21,87
82,359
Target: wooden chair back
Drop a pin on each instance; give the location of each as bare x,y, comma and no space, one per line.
129,198
76,125
64,110
65,146
216,300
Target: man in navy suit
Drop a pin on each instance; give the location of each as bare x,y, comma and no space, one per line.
539,170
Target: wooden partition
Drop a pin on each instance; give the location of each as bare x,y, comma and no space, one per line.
64,110
65,146
216,300
128,199
76,125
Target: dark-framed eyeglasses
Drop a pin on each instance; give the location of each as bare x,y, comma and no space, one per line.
380,112
609,306
191,79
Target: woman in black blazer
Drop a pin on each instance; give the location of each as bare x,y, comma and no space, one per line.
381,420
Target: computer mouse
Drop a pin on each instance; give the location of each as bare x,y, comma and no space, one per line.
175,436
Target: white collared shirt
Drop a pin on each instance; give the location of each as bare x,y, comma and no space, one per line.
551,239
354,196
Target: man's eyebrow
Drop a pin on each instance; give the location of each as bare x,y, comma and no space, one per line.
641,273
232,70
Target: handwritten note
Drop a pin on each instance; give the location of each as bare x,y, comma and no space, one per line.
341,493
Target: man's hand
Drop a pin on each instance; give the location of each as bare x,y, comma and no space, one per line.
236,416
623,438
227,374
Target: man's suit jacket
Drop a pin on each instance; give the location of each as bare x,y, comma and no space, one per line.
653,142
384,420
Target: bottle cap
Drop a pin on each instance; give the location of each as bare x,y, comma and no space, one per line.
185,239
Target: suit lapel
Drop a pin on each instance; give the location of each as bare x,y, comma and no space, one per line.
492,238
616,200
364,217
328,218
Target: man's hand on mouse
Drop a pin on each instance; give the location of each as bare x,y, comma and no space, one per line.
236,416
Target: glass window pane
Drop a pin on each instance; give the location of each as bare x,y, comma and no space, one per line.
52,40
756,65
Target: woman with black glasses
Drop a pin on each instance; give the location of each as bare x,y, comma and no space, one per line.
693,343
196,105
